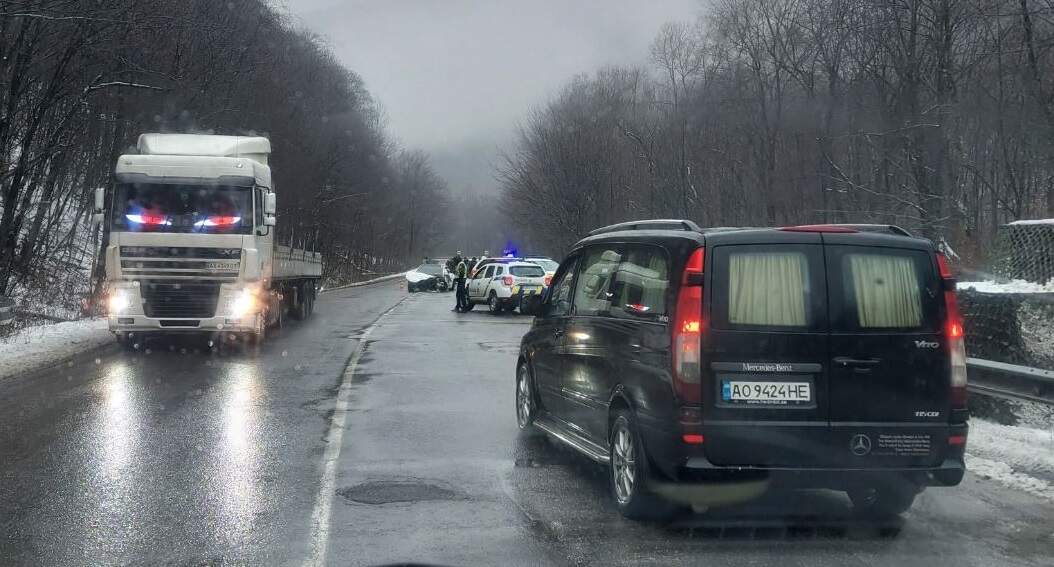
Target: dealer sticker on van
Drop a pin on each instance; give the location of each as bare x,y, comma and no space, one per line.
765,392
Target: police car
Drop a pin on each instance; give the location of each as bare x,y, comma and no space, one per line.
503,283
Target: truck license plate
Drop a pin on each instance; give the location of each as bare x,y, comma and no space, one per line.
766,392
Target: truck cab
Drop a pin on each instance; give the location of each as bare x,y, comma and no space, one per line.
191,223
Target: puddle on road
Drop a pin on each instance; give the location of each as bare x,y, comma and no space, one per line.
500,347
397,491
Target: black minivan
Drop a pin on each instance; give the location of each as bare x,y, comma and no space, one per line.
696,362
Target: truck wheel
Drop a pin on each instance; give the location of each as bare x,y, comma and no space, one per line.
299,311
279,315
257,336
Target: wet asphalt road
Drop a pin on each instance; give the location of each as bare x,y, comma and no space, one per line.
190,458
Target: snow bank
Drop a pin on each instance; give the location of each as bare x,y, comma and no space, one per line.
36,347
1036,221
1012,286
1018,457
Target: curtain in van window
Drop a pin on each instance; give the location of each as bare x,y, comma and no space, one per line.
768,289
886,288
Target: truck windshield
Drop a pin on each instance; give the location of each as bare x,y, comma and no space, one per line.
162,207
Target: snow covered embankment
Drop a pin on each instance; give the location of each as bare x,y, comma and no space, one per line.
36,347
1012,286
1016,456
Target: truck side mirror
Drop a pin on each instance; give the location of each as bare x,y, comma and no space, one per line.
269,220
100,199
270,205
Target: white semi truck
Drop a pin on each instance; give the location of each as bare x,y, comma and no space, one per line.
191,222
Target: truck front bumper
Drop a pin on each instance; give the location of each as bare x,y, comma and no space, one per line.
141,324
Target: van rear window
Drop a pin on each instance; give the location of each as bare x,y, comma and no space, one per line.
886,290
768,289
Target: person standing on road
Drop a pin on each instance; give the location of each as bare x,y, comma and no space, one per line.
460,272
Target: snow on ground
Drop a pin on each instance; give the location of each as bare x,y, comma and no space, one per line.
35,347
1012,286
1019,457
1035,221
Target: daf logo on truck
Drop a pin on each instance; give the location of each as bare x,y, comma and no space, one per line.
193,218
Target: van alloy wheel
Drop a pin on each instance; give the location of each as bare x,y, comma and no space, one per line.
524,398
623,463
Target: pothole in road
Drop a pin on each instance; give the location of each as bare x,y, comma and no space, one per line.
397,491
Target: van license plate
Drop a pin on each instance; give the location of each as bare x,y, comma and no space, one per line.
766,393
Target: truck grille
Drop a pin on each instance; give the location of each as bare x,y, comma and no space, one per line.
170,299
217,264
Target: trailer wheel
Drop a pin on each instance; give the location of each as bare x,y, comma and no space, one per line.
302,308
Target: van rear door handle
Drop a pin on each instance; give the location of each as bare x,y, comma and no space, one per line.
847,361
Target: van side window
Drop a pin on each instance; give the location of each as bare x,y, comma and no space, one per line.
877,289
499,271
640,284
559,301
593,294
768,289
774,287
886,289
489,271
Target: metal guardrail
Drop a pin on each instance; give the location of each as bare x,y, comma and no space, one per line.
1010,381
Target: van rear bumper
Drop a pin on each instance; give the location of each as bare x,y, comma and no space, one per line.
948,473
826,457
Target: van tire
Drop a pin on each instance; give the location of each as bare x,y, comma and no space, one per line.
638,502
526,400
882,501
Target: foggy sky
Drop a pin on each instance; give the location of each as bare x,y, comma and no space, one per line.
455,76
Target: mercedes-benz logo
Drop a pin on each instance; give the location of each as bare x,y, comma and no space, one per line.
860,444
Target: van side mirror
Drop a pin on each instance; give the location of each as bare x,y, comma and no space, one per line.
270,206
100,199
269,220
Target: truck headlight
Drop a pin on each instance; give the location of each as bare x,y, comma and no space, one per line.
120,300
244,303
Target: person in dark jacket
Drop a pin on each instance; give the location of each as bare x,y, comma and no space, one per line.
461,298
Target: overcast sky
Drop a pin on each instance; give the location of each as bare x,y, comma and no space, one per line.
456,76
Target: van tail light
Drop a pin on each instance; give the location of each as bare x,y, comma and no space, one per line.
955,335
507,281
548,280
687,331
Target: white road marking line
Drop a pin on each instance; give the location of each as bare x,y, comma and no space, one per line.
326,490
